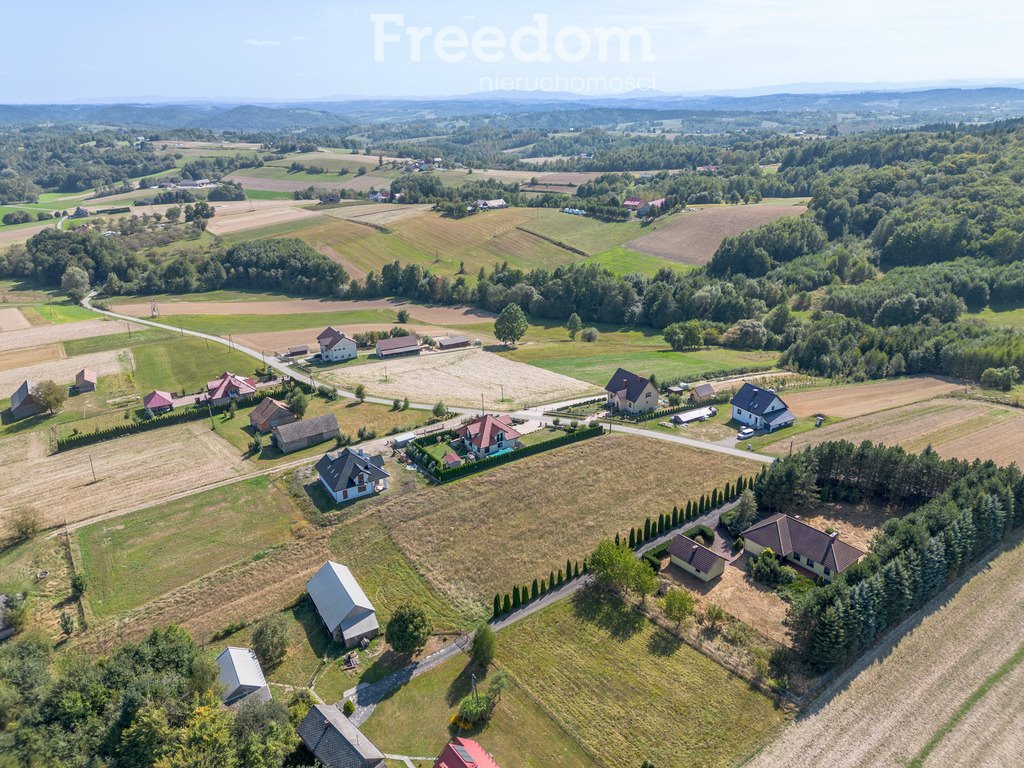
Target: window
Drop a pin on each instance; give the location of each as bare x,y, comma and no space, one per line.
826,571
810,563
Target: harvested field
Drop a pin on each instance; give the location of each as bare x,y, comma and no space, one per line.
11,319
183,457
62,371
694,235
50,334
250,180
380,214
898,698
474,538
241,222
858,399
955,428
460,378
19,358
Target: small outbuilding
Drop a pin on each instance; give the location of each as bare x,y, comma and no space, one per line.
158,401
702,392
23,403
344,608
306,433
241,676
350,474
453,342
85,381
695,558
398,345
270,413
335,741
464,753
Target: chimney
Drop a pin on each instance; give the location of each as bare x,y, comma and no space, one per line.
833,535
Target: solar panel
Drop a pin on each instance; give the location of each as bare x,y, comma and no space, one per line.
464,754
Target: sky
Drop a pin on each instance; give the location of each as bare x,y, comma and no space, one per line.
258,50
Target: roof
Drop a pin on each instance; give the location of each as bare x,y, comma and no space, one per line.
448,341
398,342
300,349
85,376
704,390
779,417
787,535
464,753
227,383
338,598
482,431
335,741
754,399
451,458
266,409
339,469
158,399
329,337
239,668
689,551
626,384
299,430
21,394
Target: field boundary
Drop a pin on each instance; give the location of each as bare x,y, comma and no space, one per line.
565,246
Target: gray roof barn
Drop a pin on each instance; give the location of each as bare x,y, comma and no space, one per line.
240,674
350,468
335,741
344,607
302,434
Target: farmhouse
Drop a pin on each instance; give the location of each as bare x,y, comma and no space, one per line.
335,345
464,753
158,402
380,196
760,409
23,404
696,559
228,387
335,742
632,203
648,209
488,434
270,413
490,205
85,381
398,345
631,393
241,676
789,537
305,433
345,609
452,342
351,473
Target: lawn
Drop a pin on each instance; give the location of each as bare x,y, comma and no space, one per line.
221,325
1012,318
473,538
94,344
623,261
57,313
186,364
414,721
137,557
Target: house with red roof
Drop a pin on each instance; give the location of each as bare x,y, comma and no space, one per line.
228,387
464,753
158,402
488,434
633,203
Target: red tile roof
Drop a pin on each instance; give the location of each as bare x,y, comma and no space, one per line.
229,383
482,431
329,337
158,399
464,753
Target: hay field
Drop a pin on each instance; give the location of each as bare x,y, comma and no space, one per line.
900,697
11,319
854,400
266,217
19,358
460,378
517,522
693,236
63,371
964,429
130,471
40,335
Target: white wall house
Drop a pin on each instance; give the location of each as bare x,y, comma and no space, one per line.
335,346
350,474
760,409
631,393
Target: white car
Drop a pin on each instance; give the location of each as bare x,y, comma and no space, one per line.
744,433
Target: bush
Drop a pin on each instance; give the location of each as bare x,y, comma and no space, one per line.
475,707
349,708
767,569
23,523
78,584
590,334
702,534
270,640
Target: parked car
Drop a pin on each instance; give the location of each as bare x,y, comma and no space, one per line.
744,433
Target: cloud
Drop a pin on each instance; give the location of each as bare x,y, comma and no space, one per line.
261,43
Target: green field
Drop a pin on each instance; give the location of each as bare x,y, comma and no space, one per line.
57,313
623,261
115,341
140,556
225,324
1012,318
186,364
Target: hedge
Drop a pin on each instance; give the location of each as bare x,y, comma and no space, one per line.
186,413
700,530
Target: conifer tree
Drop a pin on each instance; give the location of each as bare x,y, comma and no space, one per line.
535,590
828,643
568,568
689,508
515,598
551,580
647,529
632,538
561,579
576,570
506,606
497,605
617,542
675,516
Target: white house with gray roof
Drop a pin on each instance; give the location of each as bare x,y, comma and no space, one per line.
351,473
760,409
241,676
345,609
631,393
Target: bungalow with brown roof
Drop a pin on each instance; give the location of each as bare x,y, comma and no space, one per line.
228,387
270,413
695,558
158,401
85,381
794,540
702,392
398,345
488,434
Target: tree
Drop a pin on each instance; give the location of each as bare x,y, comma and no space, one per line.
147,739
590,335
270,640
205,740
67,623
616,568
683,336
23,523
497,605
574,325
679,605
713,615
49,395
360,393
75,283
511,325
297,402
173,214
403,316
484,646
408,629
439,410
743,515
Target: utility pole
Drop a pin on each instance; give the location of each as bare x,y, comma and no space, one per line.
93,468
481,403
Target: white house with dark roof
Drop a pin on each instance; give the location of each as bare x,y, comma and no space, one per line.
350,473
335,346
801,544
241,676
335,741
345,609
695,558
631,393
760,409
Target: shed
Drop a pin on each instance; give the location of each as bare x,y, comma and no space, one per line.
158,401
344,608
402,440
23,404
306,433
85,380
453,342
696,559
241,675
702,392
398,345
464,753
270,413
